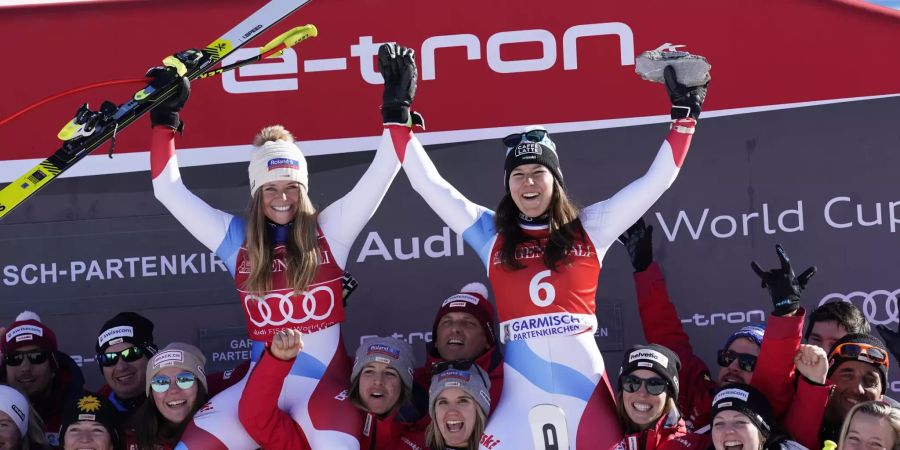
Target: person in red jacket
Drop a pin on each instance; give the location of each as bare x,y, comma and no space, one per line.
381,381
645,401
463,330
765,360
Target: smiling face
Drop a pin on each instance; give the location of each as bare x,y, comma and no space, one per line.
379,387
455,413
854,382
9,433
531,189
733,373
642,407
732,430
176,403
87,435
868,432
126,378
460,336
33,380
281,200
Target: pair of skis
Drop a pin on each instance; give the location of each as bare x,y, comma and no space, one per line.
90,129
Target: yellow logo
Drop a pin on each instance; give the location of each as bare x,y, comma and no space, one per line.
88,403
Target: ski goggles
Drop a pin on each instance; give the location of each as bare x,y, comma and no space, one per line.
515,139
632,384
162,383
862,352
130,354
34,357
746,362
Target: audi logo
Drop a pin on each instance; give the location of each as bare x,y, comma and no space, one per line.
871,302
262,311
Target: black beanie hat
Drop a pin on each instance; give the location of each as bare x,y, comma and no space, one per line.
836,359
656,358
128,327
746,400
91,407
532,153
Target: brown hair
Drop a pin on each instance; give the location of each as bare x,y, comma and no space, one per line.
302,247
151,428
630,426
564,229
356,399
435,441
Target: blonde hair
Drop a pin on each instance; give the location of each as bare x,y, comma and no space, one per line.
302,247
434,440
879,410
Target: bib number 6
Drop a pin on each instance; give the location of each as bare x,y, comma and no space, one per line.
542,293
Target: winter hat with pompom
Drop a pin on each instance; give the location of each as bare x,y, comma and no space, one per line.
471,299
28,330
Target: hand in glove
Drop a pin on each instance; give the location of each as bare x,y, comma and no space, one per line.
891,340
638,241
686,101
784,287
176,66
398,68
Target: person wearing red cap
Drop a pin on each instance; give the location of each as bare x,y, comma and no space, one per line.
33,364
463,330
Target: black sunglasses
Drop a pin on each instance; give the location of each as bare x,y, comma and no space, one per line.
130,354
459,364
514,139
746,362
632,384
34,357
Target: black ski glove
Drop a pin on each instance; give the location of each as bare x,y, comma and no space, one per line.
891,340
784,287
166,113
638,241
686,101
398,67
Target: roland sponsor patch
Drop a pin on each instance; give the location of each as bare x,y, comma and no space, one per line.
121,332
168,358
649,355
283,163
452,375
739,394
460,300
381,349
18,332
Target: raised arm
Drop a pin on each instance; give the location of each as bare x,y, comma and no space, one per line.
217,230
606,220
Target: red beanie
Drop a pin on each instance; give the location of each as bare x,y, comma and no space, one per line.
28,330
472,299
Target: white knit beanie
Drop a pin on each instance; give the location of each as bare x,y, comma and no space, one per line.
14,404
275,161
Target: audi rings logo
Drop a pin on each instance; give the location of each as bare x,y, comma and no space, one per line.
262,312
880,306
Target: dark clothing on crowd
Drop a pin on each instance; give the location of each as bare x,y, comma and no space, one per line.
67,385
669,433
273,428
125,407
416,410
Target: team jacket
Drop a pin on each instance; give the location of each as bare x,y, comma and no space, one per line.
669,433
416,411
273,428
774,373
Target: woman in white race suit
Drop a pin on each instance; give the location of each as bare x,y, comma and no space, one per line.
287,260
543,258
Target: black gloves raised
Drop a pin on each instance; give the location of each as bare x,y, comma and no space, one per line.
686,101
784,287
638,241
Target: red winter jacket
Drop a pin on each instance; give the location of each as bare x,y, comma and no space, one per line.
273,428
774,374
416,411
669,433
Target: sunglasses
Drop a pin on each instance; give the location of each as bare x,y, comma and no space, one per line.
162,383
459,364
515,139
863,352
632,384
34,357
130,354
746,362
